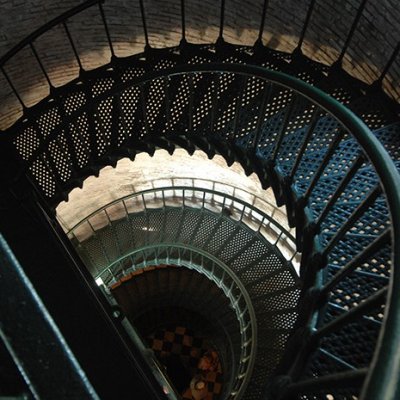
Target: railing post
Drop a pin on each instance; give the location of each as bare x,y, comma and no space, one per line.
351,32
146,35
305,25
262,23
14,90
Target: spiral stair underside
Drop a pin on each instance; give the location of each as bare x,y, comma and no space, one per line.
133,105
58,149
60,154
150,117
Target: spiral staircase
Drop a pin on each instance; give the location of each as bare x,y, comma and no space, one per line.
214,234
329,332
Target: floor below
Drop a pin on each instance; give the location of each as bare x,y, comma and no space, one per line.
188,358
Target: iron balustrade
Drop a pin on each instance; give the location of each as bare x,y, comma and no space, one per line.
346,128
29,42
254,211
40,164
220,274
185,255
63,19
59,372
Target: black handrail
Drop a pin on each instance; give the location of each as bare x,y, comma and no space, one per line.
381,161
390,334
384,166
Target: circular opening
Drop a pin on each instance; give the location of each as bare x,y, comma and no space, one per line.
190,325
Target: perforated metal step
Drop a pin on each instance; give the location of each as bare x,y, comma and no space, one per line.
271,283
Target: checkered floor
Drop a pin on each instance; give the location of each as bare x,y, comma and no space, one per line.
182,342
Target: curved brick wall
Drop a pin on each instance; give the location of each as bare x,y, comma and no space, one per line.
147,172
376,36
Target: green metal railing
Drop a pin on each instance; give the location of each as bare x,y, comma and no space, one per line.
284,184
203,200
221,275
59,367
185,129
254,212
273,84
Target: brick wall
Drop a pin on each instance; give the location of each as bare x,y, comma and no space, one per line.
377,34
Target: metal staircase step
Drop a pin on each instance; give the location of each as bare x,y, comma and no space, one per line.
270,281
354,343
371,275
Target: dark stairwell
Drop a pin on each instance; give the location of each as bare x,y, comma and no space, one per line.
339,187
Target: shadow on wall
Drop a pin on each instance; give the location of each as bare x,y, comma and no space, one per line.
329,25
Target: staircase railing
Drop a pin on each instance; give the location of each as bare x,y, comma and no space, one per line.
202,262
245,136
296,178
21,305
260,201
253,215
202,199
63,20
